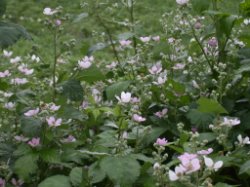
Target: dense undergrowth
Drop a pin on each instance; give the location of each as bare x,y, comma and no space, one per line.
124,93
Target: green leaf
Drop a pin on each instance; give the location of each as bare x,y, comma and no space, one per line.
96,174
26,165
2,7
55,181
210,106
200,5
90,75
245,7
209,136
10,33
31,126
76,176
121,170
220,184
125,36
199,118
50,155
70,112
245,168
80,17
116,89
3,85
96,47
73,90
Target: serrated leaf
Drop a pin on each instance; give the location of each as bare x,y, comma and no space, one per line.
26,165
73,90
30,126
10,33
56,181
50,155
245,168
90,75
96,47
2,7
199,118
200,5
95,173
208,136
80,17
210,106
121,170
76,176
116,89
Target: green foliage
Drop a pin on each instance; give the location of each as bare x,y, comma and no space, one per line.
116,89
76,176
245,168
121,170
90,75
210,106
10,33
26,165
2,7
73,90
56,181
199,5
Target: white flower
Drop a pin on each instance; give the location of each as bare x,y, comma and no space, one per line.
86,62
9,105
49,12
145,39
175,175
24,69
160,80
7,53
53,122
32,112
230,122
6,73
211,165
35,58
156,166
243,141
125,97
125,42
182,2
15,60
19,81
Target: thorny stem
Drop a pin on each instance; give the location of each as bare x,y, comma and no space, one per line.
54,65
131,11
110,40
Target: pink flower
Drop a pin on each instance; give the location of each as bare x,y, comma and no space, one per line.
190,162
21,138
182,2
32,112
162,113
213,165
161,142
6,73
53,107
53,122
34,142
86,62
175,175
24,69
125,42
145,39
205,152
213,42
156,38
69,139
2,182
19,81
155,69
138,118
